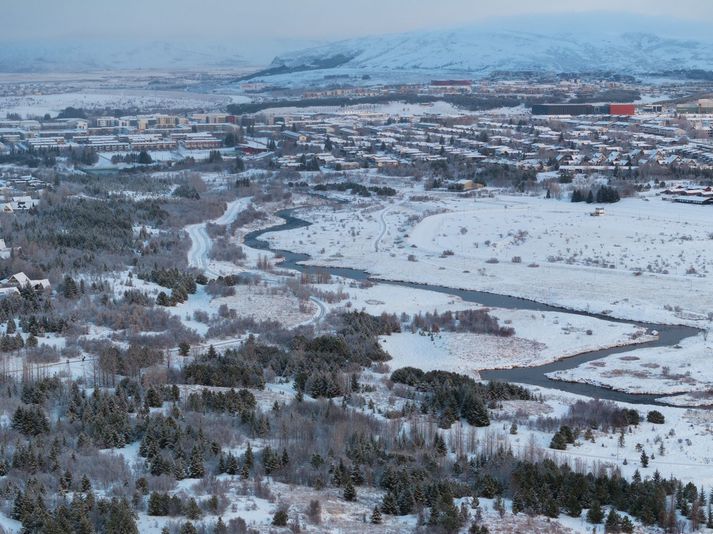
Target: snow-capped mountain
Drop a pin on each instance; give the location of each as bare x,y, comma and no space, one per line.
575,43
477,51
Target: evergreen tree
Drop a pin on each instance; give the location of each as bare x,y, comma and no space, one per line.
220,527
572,505
144,158
280,518
196,468
626,525
558,442
69,288
120,518
193,511
613,522
405,501
249,458
595,515
389,504
474,411
439,445
356,475
157,504
655,417
376,516
644,459
349,491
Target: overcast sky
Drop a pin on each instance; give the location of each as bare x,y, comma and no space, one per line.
288,19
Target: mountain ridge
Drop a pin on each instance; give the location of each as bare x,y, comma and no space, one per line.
555,44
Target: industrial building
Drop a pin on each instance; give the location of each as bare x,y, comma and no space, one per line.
583,109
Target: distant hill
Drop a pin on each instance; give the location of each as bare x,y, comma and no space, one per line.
578,43
92,55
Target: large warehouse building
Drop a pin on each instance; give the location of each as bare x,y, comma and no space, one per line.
583,109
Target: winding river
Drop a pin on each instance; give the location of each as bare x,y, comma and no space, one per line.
668,335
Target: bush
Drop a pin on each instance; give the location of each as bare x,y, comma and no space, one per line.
280,519
655,417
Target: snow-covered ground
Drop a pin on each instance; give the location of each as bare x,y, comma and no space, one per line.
390,108
661,370
685,435
540,338
643,260
38,105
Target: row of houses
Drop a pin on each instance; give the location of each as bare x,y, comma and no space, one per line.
576,144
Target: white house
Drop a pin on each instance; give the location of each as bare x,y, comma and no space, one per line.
22,280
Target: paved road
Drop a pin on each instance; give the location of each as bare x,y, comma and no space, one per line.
382,224
201,243
322,310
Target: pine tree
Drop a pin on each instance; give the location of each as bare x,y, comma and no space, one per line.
270,461
439,445
220,527
349,491
193,511
195,467
613,522
70,289
474,411
419,496
405,501
280,519
156,505
644,459
551,509
121,518
572,505
249,457
389,504
558,442
595,515
356,475
376,516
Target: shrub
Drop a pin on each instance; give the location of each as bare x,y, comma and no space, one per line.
280,519
655,417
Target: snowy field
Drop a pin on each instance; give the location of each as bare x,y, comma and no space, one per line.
390,108
661,370
540,338
645,260
38,105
